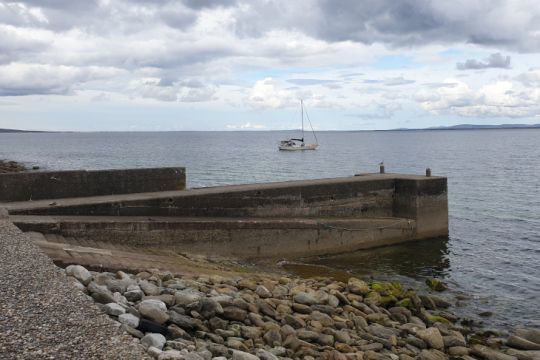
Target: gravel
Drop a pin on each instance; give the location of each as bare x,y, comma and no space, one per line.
42,313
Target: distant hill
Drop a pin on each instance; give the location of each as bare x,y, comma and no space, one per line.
18,131
474,127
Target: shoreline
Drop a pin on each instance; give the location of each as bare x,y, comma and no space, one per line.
270,315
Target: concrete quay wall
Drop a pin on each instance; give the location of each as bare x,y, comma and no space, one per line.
292,218
81,183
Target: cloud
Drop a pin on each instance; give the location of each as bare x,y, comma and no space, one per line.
495,99
246,126
18,79
308,82
397,81
269,94
493,61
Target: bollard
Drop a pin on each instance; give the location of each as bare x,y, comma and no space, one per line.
428,172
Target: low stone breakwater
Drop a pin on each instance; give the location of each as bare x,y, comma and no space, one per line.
267,317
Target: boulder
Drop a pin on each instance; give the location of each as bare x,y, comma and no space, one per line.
305,298
114,309
155,310
183,321
149,288
489,354
129,319
234,313
357,286
100,293
80,273
432,337
155,340
517,342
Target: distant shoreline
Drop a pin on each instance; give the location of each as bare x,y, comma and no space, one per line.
451,128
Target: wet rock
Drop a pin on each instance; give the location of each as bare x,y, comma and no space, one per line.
524,354
454,340
154,310
489,354
155,340
432,337
532,335
517,342
80,273
436,284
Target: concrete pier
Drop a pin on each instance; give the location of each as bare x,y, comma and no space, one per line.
291,219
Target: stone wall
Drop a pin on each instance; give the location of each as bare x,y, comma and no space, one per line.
68,184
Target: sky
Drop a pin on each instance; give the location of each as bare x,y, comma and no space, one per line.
159,65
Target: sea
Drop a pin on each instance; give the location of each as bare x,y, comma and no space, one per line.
491,259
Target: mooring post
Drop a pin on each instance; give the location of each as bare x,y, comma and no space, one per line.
428,172
381,168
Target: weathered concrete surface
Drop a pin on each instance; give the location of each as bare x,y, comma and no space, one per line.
229,237
79,183
294,218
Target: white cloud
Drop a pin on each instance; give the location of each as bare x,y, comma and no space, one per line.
247,126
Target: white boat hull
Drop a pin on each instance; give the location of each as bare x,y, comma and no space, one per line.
298,148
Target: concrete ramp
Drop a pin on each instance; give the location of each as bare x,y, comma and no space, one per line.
216,237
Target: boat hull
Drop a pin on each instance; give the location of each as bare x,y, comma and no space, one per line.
298,148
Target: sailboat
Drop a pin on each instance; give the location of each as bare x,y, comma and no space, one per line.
293,144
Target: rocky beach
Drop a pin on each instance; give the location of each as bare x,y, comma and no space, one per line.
271,316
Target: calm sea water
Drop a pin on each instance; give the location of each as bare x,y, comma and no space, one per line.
492,253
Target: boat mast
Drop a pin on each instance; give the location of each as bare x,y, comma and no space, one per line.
302,111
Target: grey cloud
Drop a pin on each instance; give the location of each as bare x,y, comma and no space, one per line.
440,85
307,82
397,81
493,61
199,4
